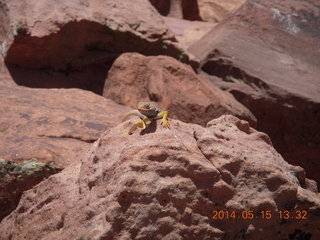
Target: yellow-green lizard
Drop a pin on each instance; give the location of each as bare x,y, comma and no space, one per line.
147,111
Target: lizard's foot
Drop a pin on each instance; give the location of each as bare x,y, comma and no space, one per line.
165,123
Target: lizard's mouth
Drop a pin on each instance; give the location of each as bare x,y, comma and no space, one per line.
148,113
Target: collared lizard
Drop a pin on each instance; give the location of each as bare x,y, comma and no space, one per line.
147,111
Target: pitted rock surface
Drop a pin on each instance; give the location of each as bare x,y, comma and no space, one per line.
165,184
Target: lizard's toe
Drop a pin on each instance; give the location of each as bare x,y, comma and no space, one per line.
165,123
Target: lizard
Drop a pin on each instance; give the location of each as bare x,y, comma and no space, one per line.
147,111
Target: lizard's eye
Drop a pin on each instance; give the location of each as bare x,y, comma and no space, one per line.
147,106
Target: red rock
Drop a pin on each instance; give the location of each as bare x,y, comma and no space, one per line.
52,124
79,28
166,183
267,55
187,32
16,178
217,10
73,43
171,84
55,127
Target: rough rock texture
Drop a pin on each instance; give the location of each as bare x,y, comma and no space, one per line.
188,32
267,55
16,178
182,9
73,43
52,124
166,184
217,10
171,84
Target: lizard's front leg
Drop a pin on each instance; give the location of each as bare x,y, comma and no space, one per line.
164,121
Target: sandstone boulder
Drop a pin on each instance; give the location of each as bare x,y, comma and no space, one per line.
73,43
167,184
267,55
171,84
52,124
54,127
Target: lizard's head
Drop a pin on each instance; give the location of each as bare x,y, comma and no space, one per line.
149,109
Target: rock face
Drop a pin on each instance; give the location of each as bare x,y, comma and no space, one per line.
167,184
51,124
171,84
73,43
267,55
55,126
